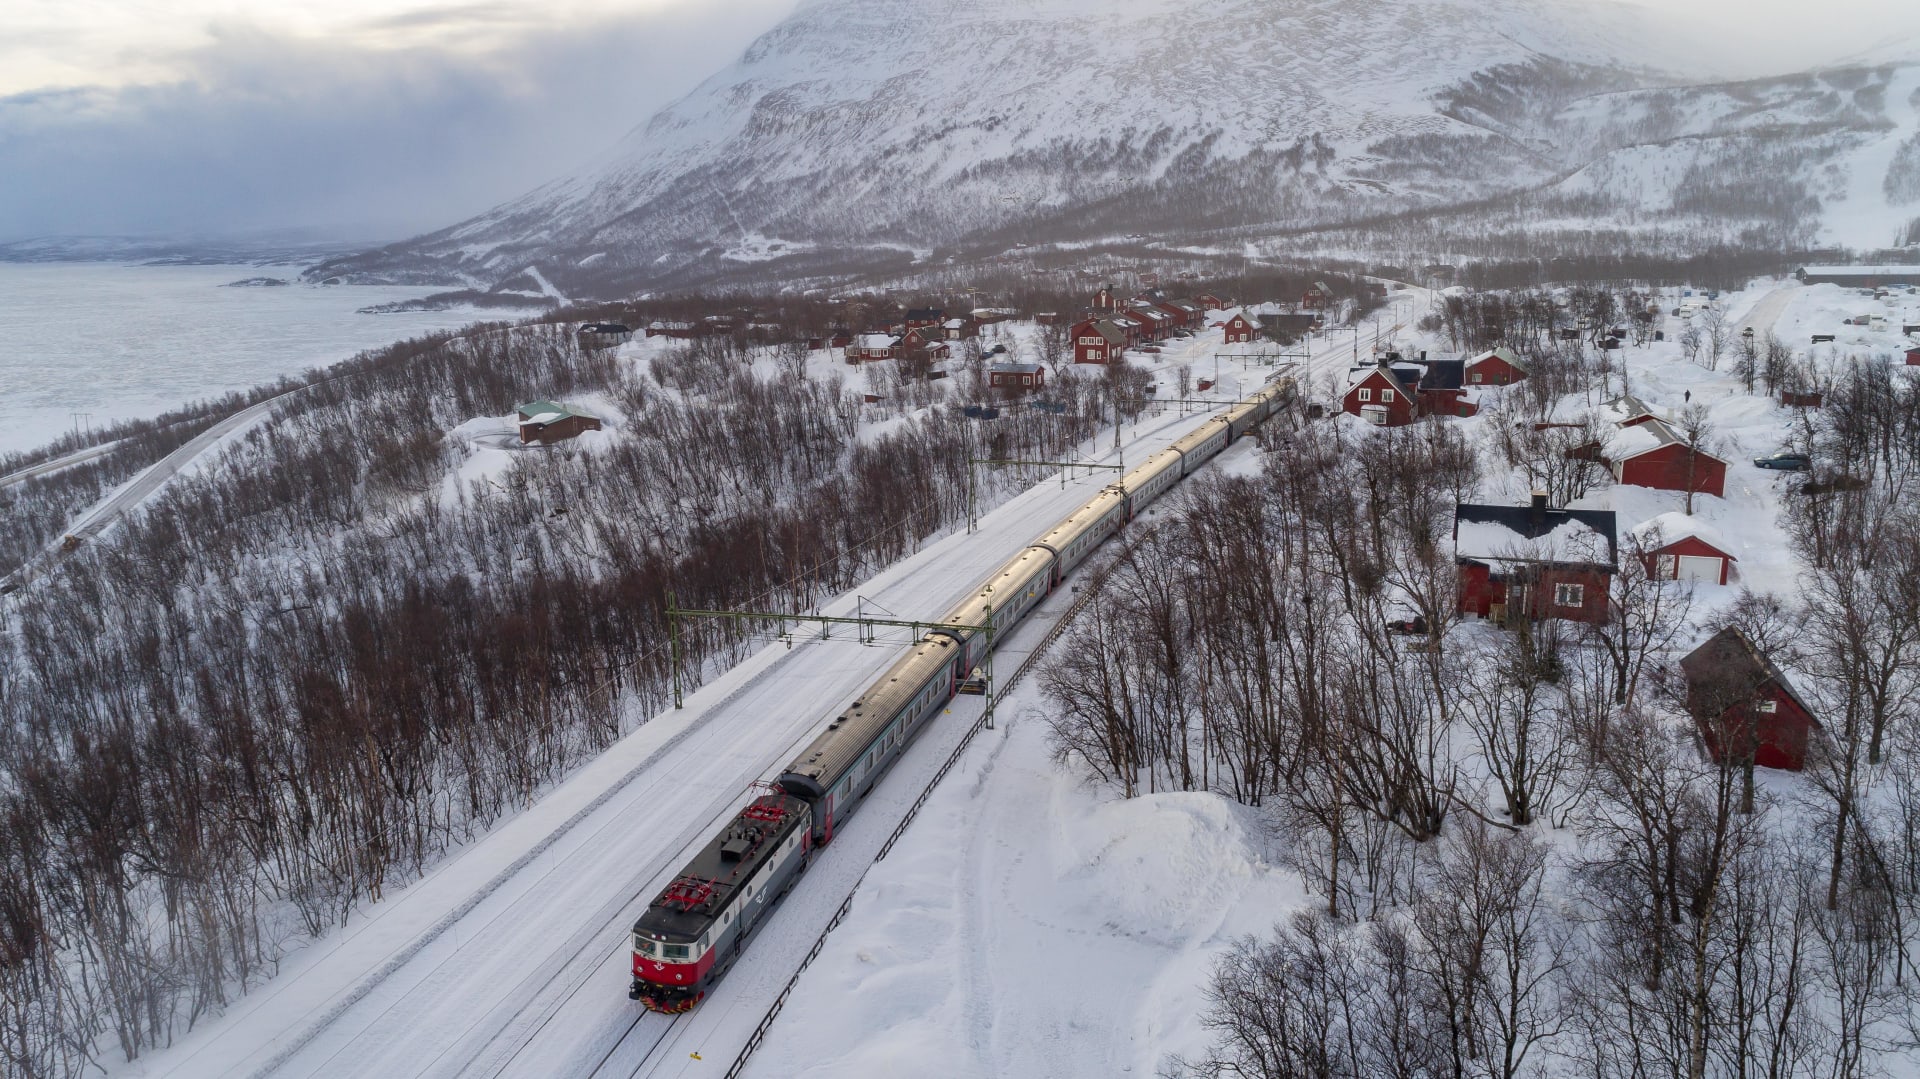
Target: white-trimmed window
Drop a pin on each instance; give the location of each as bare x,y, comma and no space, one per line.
1768,706
1366,393
1570,595
1386,397
1477,376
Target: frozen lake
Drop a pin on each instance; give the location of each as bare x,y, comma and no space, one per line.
118,342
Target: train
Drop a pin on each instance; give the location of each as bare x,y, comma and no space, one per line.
699,925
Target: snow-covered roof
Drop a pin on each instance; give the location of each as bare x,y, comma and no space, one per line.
1569,541
1503,353
1017,368
874,340
1882,270
1628,442
1674,526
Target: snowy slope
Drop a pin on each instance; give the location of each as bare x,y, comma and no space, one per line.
864,134
872,122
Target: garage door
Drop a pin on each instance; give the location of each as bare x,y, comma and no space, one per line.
1696,568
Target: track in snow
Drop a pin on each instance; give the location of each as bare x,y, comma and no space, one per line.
509,958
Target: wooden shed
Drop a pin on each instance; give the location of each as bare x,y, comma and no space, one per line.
1677,547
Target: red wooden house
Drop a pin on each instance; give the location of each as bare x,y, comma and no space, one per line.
1098,341
1024,377
920,317
1913,357
1155,324
871,347
1240,329
1533,562
1210,302
1379,396
1498,367
1105,300
1745,708
1316,298
1652,454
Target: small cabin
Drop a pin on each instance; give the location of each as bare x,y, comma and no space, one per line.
605,334
547,422
1745,708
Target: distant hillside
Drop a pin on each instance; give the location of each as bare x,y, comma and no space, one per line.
863,133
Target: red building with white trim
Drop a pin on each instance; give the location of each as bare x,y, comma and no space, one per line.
1498,367
1098,341
1240,329
1379,396
1533,562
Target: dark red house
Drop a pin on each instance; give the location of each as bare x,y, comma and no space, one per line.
1745,708
1913,357
1098,341
1652,454
1533,562
1379,396
1499,367
1024,377
1240,329
1316,298
920,317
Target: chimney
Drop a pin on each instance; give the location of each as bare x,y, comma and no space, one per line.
1538,516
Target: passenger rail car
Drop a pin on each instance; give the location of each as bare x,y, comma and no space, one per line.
698,926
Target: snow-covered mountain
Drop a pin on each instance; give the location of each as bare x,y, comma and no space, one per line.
864,132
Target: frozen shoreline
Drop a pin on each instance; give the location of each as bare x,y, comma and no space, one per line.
83,344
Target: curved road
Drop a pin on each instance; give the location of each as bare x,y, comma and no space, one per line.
142,488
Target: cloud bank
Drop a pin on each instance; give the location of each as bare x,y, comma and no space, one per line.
264,130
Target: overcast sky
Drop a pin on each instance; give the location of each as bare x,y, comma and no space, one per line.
375,119
364,119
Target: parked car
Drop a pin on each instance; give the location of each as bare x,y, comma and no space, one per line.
1785,462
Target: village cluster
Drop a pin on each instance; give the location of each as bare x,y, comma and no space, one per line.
1529,561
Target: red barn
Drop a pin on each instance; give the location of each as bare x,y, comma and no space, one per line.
1240,329
1098,341
1652,454
1378,396
1502,366
1745,708
1676,547
1533,562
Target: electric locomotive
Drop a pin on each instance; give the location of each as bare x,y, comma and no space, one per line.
694,930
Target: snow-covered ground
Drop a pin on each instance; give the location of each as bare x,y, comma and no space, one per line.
510,957
1031,924
113,341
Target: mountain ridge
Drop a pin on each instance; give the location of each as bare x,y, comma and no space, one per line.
888,130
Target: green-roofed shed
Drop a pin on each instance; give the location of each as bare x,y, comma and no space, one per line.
547,422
